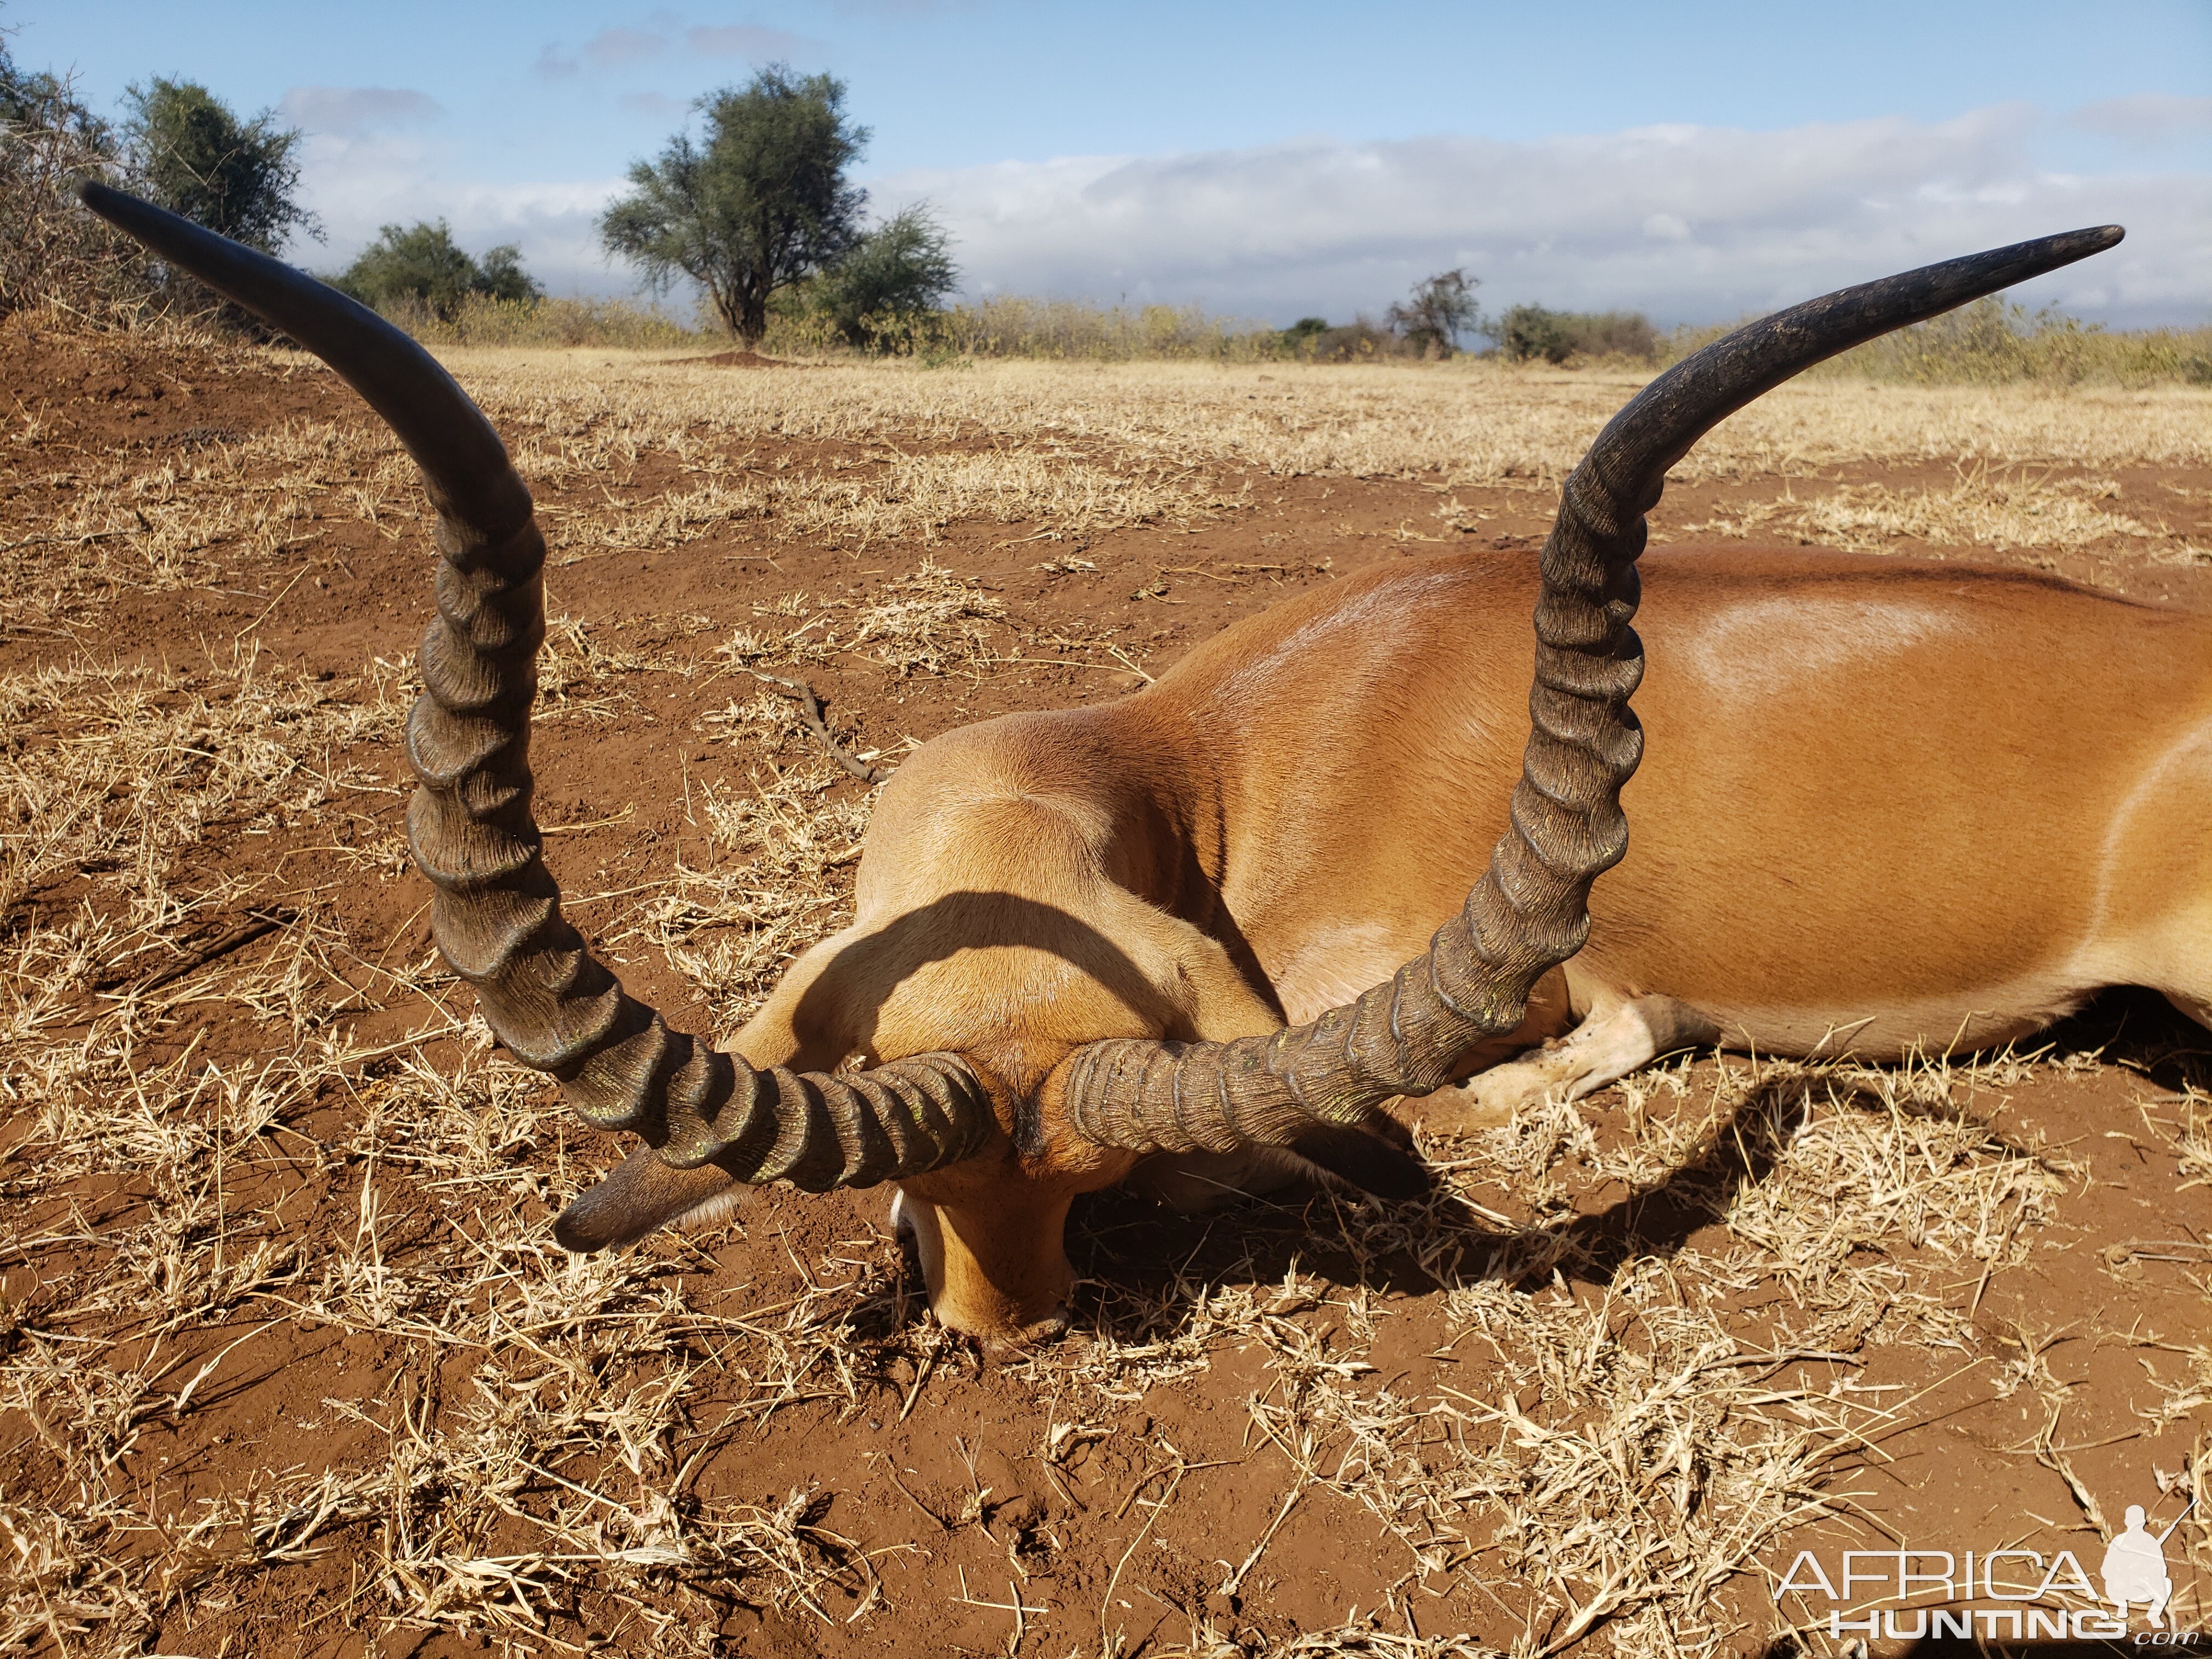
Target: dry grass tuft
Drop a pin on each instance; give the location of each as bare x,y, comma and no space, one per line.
930,621
1997,508
734,928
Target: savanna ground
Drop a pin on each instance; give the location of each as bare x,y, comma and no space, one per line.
290,1364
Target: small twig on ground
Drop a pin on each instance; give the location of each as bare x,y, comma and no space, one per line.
2019,1214
1235,1582
943,1525
810,712
1106,1601
274,603
2048,1452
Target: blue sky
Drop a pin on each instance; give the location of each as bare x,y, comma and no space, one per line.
1280,159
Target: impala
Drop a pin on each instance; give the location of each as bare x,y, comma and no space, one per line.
1206,935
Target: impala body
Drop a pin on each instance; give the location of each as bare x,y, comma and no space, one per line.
1214,933
1887,807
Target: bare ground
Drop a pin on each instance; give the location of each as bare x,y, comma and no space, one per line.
288,1363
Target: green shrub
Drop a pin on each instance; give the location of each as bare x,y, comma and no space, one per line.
1527,333
762,204
879,294
423,268
188,152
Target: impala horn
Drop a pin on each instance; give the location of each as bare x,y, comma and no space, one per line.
1410,1035
496,912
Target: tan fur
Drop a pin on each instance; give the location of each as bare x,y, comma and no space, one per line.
1884,806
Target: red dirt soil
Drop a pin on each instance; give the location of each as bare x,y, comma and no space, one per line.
1042,1540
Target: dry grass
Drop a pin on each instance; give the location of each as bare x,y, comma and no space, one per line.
193,513
215,1165
1466,422
890,498
1987,508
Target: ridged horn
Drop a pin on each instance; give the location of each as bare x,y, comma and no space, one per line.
496,910
1529,912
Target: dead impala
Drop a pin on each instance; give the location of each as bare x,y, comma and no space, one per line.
1890,805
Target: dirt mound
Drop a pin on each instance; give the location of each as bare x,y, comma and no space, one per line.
732,360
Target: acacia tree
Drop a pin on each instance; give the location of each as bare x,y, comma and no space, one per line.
191,153
1437,312
762,202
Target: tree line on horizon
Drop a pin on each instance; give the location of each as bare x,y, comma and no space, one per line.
760,213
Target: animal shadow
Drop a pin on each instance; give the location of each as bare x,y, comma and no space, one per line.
1146,1268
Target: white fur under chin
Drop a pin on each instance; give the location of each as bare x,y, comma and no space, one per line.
917,1221
713,1211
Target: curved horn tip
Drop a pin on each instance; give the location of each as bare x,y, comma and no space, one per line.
639,1196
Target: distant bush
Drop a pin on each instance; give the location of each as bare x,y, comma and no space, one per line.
1995,341
1531,333
54,255
483,319
423,268
1012,325
1356,342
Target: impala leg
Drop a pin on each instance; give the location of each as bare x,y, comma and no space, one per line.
1602,1049
1193,1182
2197,1008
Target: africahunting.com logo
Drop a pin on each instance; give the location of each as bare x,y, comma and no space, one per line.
1909,1594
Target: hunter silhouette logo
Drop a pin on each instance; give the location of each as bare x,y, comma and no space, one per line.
2135,1567
2010,1594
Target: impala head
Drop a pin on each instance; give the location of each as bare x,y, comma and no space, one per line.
1027,1036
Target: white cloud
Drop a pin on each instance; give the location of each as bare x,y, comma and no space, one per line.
1686,223
2148,118
619,48
351,110
359,184
750,42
